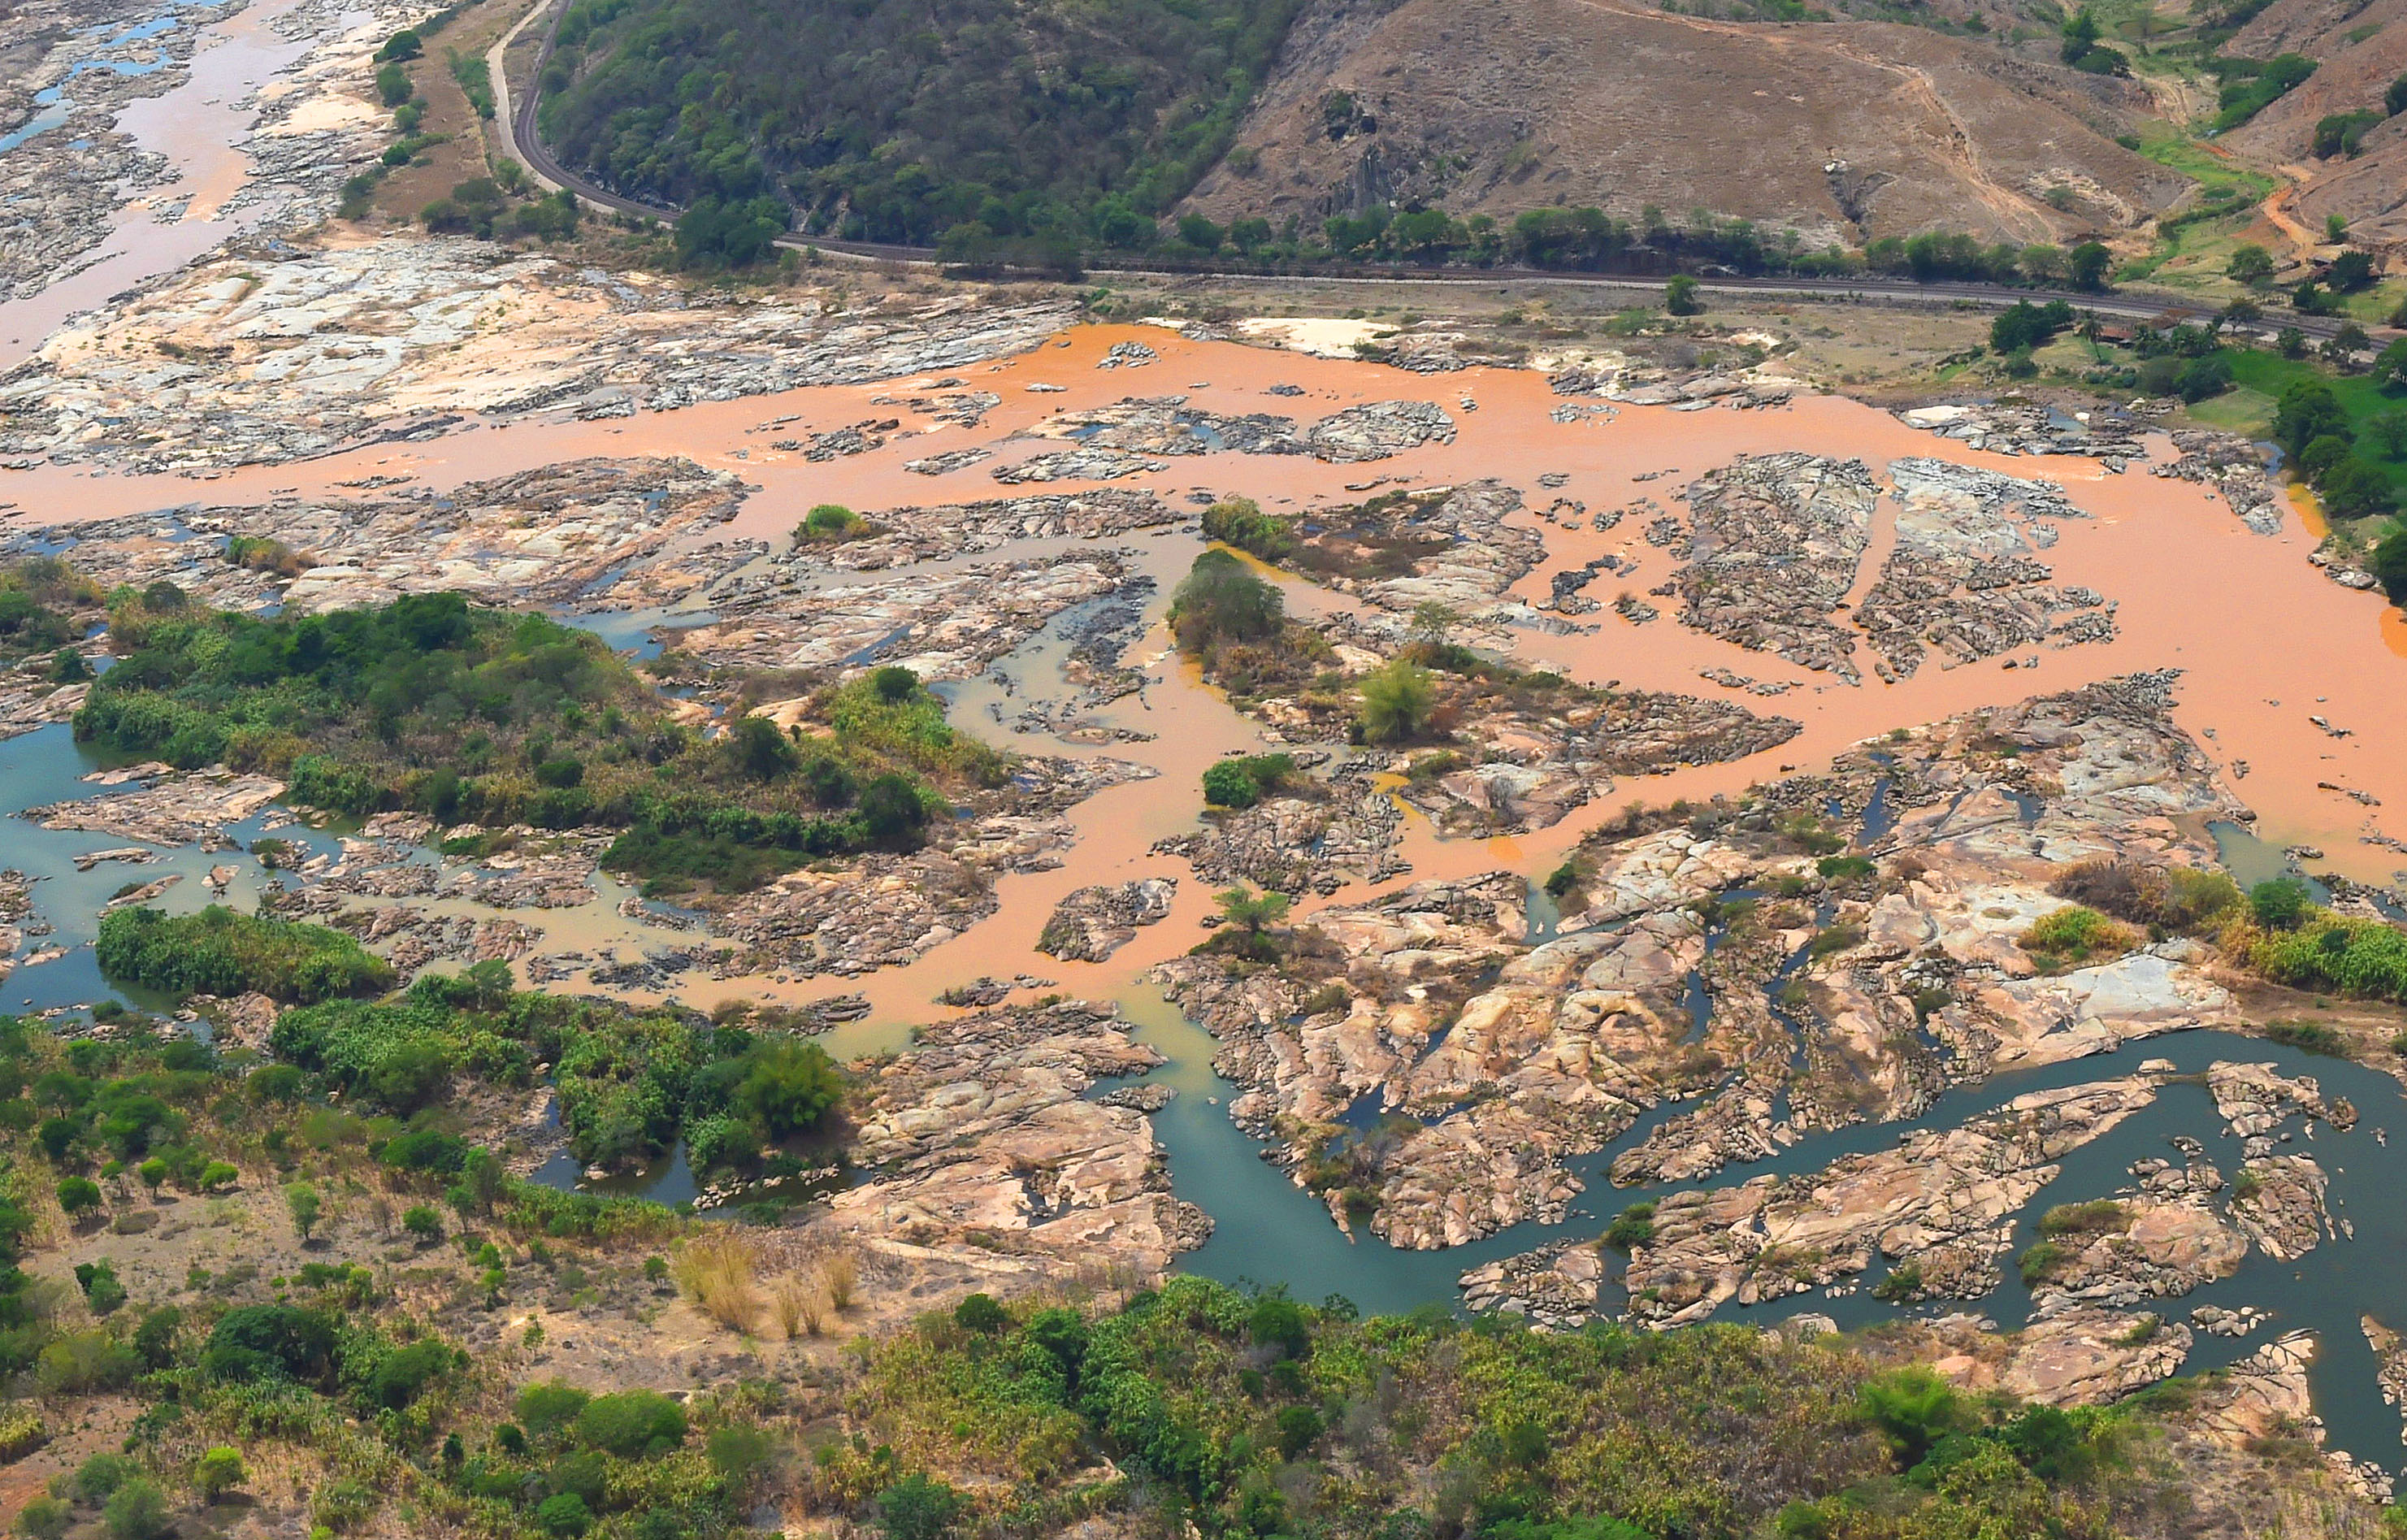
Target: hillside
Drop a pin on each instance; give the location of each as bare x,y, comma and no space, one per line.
1844,131
890,121
2360,49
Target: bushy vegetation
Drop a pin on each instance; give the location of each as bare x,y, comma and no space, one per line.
2074,936
629,1082
476,715
1050,128
43,606
1241,522
1255,1414
2252,85
2338,954
219,951
2164,900
1243,780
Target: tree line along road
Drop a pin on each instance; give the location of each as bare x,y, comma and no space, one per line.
524,144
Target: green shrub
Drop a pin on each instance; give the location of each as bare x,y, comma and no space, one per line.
2097,1217
1913,1408
2041,1261
830,523
1241,522
2281,904
1242,781
632,1424
219,951
2313,1038
2071,937
1396,702
918,1508
136,1511
45,1519
564,1514
217,1472
982,1314
1633,1228
549,1407
1221,601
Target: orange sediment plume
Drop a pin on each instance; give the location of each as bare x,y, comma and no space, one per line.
2264,640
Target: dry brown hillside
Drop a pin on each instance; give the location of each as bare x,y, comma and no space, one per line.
1845,130
2360,50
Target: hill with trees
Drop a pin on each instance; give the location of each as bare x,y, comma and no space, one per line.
1051,122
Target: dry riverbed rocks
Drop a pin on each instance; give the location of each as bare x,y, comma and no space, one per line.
1424,1066
1963,580
1772,545
980,1134
249,358
1096,921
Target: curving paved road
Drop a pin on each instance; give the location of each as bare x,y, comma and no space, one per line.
524,143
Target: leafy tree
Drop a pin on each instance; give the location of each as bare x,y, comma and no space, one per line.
422,1223
2390,366
1398,702
2341,133
136,1511
2250,264
2348,340
981,1313
2290,342
549,1406
154,1339
2390,565
1240,521
1220,601
1243,781
404,44
260,1341
1680,297
2308,410
2389,430
2080,34
1279,1323
2202,377
406,1373
78,1195
2024,325
789,1086
2086,265
307,1207
217,1472
730,233
1229,784
1254,911
892,812
764,751
392,85
2355,490
2321,455
1200,232
2279,905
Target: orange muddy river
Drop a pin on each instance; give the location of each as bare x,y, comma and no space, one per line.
2265,640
